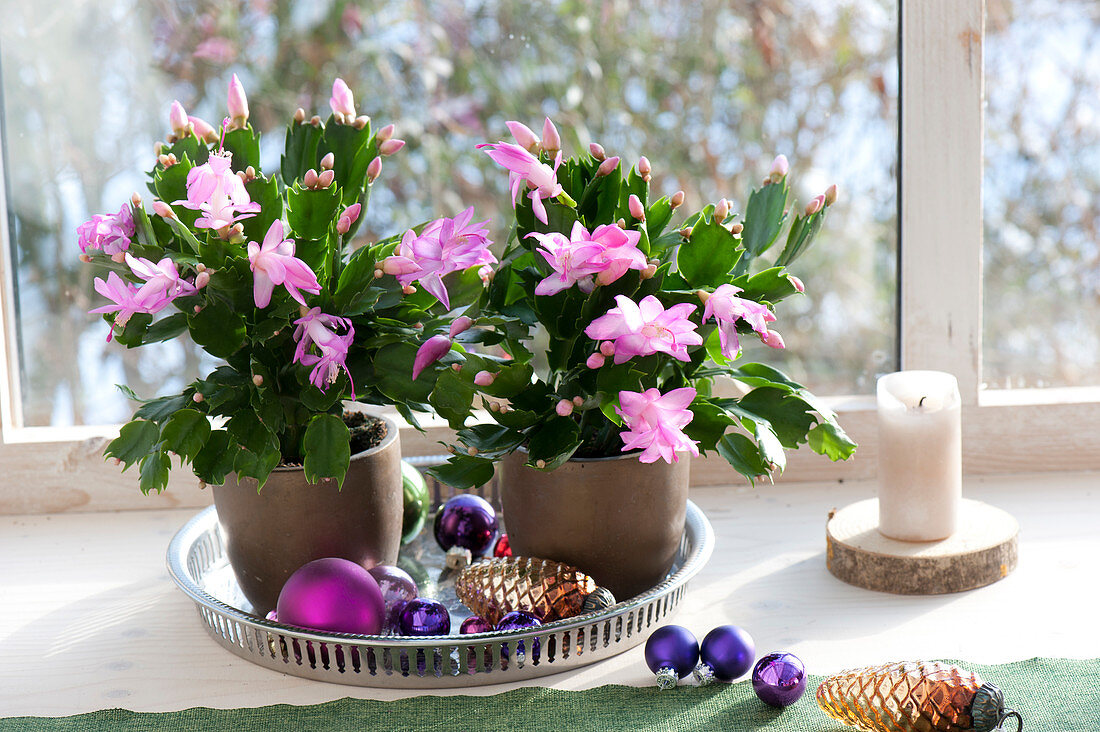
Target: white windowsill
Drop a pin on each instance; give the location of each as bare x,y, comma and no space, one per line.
90,619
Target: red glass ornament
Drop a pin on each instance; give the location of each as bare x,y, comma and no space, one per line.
503,547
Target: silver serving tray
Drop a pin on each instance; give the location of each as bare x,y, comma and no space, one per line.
198,564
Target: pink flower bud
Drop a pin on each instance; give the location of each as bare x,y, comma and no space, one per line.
677,199
773,339
203,129
257,379
578,401
399,266
607,166
352,212
737,228
595,361
484,378
342,100
299,115
551,142
408,290
309,180
780,166
177,119
135,200
389,147
596,150
361,121
649,272
237,102
324,180
830,195
797,283
85,258
202,279
644,168
460,325
607,348
431,351
634,205
328,161
523,135
162,209
685,232
384,134
815,205
374,170
722,210
197,397
564,408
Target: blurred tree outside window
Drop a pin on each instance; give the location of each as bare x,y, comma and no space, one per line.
709,90
1041,194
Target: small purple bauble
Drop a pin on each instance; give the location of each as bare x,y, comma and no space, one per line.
467,521
397,589
332,594
519,620
671,647
475,624
779,679
729,651
422,616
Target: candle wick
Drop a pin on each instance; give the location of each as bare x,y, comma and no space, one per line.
921,402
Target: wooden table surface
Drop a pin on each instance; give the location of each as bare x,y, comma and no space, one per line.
89,618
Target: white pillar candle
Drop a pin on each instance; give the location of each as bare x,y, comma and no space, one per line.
920,455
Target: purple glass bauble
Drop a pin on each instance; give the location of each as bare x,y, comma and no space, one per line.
332,594
422,616
672,646
779,679
519,620
397,589
475,624
729,651
467,521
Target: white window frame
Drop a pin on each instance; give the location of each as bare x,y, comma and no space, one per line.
940,316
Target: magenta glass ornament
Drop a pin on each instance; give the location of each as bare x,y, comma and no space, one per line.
519,620
671,652
422,616
503,547
475,624
779,679
397,589
467,521
726,653
332,594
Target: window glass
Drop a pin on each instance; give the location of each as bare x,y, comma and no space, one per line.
709,90
1041,194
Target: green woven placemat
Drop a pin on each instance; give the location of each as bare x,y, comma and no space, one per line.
1052,695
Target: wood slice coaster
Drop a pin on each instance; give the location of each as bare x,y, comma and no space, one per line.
980,552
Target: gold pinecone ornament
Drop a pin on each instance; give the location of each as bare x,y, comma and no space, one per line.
548,589
914,696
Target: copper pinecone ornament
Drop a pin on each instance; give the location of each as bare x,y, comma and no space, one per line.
914,697
548,589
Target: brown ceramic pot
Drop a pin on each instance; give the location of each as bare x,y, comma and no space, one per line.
271,533
616,519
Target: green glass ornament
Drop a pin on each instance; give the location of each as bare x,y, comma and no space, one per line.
417,502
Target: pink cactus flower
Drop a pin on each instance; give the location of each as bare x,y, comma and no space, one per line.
162,276
237,102
110,233
323,348
574,259
525,168
444,246
727,308
342,100
431,351
126,299
274,263
641,329
620,252
215,190
655,423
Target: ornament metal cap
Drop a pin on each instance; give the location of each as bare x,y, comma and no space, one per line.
988,710
667,677
704,674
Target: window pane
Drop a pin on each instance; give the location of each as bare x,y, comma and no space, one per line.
710,91
1042,194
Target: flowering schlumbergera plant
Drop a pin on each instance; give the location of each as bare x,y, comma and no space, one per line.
641,316
260,271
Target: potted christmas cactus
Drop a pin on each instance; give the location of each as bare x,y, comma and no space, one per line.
641,317
259,270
